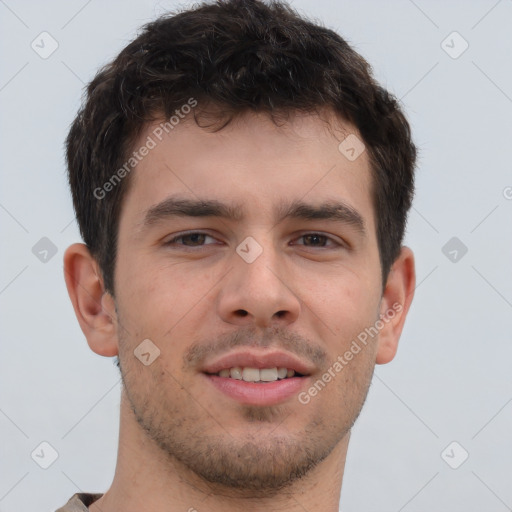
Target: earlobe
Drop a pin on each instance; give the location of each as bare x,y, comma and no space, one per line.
395,304
94,308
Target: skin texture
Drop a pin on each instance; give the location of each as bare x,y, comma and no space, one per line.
183,444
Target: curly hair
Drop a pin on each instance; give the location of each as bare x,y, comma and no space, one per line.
237,56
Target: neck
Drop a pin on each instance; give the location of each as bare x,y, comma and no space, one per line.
148,479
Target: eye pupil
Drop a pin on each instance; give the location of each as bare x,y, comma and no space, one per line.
194,237
314,238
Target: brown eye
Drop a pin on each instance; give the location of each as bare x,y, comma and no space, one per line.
317,240
194,239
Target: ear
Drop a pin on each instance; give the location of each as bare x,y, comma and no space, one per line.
395,303
94,308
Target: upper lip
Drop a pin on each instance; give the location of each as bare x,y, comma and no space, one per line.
255,359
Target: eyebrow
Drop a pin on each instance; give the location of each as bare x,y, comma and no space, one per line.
337,211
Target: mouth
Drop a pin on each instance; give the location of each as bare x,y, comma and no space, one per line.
254,378
260,375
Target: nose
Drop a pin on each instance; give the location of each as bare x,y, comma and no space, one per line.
258,293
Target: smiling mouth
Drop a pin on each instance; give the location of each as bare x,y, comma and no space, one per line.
257,375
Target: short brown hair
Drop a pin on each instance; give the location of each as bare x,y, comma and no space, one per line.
239,56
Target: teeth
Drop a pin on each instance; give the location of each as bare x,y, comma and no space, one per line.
249,374
268,374
236,373
282,372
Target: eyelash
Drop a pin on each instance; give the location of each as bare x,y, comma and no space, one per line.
173,240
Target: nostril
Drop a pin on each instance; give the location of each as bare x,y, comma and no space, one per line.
242,312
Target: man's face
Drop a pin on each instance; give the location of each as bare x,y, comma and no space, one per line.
299,286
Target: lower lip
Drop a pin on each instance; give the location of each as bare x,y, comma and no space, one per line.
251,393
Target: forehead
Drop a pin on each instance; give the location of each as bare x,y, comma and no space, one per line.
251,162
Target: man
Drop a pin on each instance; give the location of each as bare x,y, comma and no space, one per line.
242,184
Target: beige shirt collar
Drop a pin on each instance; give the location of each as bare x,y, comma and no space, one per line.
79,502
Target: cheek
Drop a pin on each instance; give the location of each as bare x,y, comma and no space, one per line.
347,307
155,394
344,301
156,296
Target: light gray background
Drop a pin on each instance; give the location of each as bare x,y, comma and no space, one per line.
451,380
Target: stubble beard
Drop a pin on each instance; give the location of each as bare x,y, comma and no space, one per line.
251,466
